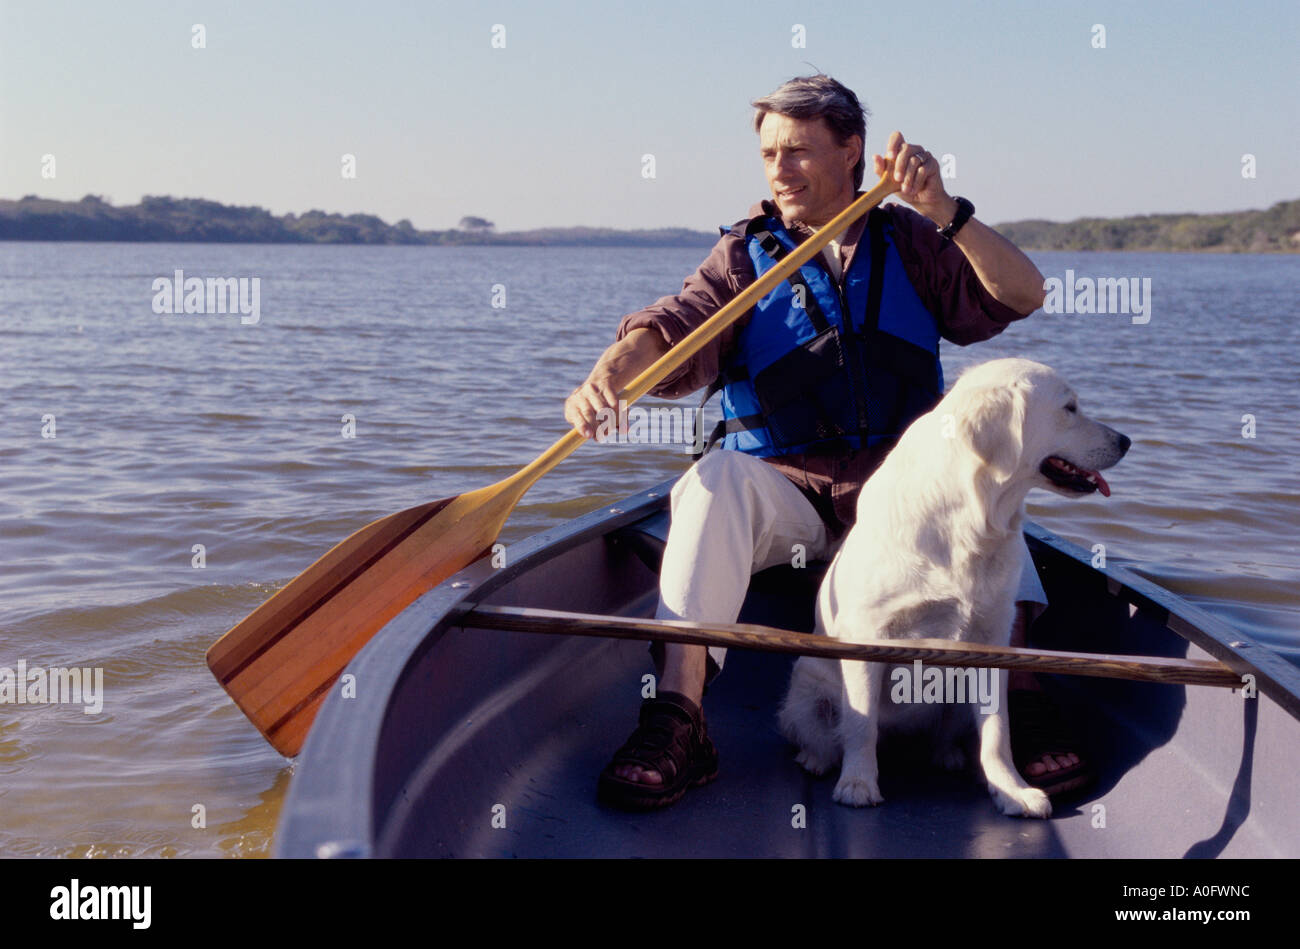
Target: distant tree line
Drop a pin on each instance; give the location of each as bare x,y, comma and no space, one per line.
1274,230
193,219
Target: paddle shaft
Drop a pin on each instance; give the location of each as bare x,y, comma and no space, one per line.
935,652
709,330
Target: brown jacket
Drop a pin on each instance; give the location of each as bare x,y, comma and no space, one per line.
942,276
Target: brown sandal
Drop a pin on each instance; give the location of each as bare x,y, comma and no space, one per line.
671,739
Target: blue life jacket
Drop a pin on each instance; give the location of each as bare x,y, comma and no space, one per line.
806,380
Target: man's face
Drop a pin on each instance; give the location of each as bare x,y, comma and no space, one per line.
810,174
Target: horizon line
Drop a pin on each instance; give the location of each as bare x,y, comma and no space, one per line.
679,227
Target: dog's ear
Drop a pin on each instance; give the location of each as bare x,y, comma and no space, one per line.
993,424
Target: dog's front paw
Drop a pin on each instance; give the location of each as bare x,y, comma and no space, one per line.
857,792
814,763
1029,802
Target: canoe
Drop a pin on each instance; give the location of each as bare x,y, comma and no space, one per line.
454,741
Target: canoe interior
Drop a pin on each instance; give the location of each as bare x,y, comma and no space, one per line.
482,728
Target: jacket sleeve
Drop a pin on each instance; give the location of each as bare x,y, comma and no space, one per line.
947,283
714,283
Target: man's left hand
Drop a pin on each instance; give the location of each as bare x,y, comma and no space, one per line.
917,172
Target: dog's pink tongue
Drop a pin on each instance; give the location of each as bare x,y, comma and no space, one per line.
1101,484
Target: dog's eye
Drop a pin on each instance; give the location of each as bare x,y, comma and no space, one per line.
1072,407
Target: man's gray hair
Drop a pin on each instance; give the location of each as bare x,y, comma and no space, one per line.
820,96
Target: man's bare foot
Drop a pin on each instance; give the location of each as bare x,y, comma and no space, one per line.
1018,681
1021,680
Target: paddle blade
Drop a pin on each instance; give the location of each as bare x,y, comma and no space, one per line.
280,662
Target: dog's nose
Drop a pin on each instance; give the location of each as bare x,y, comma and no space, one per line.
1124,442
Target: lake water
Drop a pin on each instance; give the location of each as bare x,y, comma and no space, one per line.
177,431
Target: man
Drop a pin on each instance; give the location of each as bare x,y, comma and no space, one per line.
810,406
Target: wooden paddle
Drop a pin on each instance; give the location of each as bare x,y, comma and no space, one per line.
935,652
279,663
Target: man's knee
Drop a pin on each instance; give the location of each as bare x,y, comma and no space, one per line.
720,469
718,485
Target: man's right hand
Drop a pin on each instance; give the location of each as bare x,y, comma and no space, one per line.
617,366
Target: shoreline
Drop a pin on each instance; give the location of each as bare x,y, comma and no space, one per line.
1205,251
163,220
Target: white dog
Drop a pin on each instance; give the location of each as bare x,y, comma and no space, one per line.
936,553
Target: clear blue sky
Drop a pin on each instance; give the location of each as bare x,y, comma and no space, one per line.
550,130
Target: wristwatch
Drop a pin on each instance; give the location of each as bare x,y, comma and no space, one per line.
964,211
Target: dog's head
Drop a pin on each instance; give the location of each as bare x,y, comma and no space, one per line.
1023,422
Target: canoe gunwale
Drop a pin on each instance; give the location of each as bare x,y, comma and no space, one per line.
1275,676
329,810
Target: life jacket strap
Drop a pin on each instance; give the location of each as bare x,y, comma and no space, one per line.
725,427
725,377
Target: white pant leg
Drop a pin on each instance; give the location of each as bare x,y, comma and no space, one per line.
732,515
